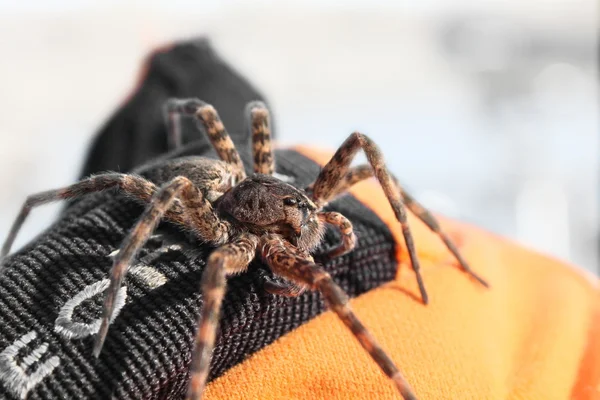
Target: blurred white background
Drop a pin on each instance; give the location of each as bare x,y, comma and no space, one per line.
487,111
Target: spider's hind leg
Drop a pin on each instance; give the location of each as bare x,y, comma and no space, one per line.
260,127
209,119
133,185
172,120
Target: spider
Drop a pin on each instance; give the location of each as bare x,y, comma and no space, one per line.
246,216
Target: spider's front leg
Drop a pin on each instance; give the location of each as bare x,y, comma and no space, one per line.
285,260
332,175
229,259
362,172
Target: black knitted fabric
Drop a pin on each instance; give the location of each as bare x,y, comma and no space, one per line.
149,344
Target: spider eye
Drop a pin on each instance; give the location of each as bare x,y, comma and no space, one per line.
289,201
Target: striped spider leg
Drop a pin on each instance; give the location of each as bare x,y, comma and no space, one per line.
258,119
285,260
143,189
362,172
337,176
179,196
208,120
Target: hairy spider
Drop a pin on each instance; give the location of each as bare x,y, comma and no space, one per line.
244,216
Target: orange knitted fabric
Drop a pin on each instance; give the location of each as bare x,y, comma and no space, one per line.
534,335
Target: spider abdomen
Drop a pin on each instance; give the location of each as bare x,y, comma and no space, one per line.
205,173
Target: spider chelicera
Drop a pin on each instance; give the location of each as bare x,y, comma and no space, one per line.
242,216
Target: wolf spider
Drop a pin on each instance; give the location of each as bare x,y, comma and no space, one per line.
243,216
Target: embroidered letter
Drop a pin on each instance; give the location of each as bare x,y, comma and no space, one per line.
64,323
14,373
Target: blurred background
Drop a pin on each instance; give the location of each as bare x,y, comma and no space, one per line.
487,111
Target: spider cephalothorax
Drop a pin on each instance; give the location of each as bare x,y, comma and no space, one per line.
248,216
264,204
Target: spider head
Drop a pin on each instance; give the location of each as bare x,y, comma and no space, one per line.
265,204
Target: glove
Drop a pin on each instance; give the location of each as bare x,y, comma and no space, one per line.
533,335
